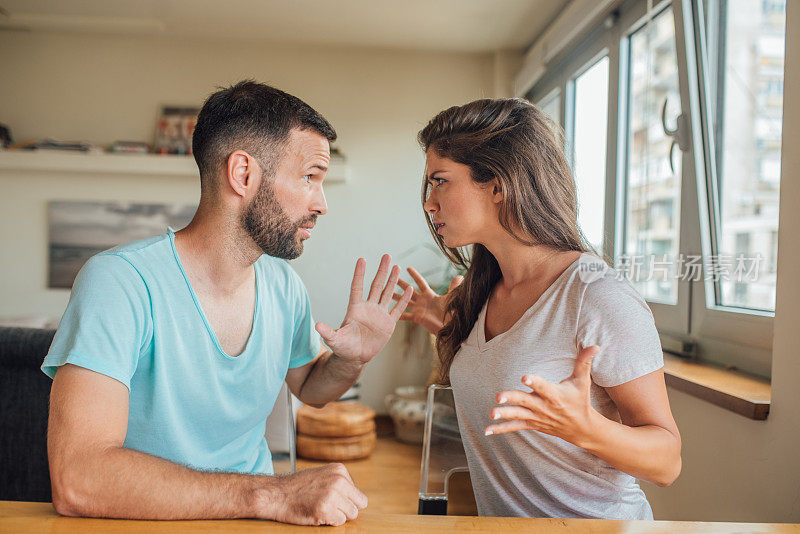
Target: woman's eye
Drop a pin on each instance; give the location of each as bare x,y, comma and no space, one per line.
435,182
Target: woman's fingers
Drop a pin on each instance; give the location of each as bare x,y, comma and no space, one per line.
421,283
455,282
401,305
515,396
515,412
396,296
408,316
531,401
508,426
540,386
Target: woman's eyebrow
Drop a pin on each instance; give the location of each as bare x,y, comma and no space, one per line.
431,175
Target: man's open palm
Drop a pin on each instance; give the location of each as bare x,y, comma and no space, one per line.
368,324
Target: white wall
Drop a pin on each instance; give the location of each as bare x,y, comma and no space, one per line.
103,88
736,469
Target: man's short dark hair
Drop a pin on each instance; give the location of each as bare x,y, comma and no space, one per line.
253,117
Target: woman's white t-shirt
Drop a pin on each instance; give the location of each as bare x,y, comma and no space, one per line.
529,473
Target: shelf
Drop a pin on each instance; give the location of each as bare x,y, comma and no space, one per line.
123,164
732,390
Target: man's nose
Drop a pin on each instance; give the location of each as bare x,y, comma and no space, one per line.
319,204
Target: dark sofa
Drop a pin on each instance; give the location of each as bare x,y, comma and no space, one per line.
24,395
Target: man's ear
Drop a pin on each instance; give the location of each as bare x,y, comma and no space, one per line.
242,168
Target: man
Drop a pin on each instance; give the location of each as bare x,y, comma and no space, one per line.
172,349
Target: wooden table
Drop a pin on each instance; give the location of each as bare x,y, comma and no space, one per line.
29,517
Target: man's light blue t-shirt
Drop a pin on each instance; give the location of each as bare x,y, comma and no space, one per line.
133,316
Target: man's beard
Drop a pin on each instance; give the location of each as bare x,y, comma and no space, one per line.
269,226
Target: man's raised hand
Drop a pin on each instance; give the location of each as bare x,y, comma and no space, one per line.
368,324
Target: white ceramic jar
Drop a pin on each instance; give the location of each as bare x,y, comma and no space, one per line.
407,409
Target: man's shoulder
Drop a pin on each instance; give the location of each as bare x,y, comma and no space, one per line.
140,246
123,262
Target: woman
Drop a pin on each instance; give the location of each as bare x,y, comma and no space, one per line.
536,308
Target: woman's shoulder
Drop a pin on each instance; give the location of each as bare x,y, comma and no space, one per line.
603,288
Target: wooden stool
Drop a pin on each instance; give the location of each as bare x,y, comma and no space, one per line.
339,431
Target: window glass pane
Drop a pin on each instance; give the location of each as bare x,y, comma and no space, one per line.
748,80
551,105
652,190
591,110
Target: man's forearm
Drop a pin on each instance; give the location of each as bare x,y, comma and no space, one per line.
127,484
330,377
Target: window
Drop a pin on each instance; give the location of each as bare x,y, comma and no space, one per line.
685,197
746,74
589,146
652,188
551,105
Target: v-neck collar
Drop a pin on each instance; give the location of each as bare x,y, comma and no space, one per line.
256,314
481,322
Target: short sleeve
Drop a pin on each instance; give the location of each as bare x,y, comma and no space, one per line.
616,318
107,323
306,341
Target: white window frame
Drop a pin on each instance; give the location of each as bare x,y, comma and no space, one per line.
726,335
545,101
695,325
595,46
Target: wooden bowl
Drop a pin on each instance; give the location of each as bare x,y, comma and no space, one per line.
336,419
335,449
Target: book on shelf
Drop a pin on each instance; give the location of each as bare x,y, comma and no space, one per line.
129,147
54,144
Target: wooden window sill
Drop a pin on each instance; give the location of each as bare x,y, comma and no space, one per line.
732,390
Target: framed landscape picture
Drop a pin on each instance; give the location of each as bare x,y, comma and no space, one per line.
79,230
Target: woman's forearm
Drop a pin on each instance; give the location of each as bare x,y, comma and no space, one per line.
648,452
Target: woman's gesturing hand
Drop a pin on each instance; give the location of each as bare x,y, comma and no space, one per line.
426,307
561,410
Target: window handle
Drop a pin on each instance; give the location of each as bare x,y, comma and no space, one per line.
679,134
667,130
671,162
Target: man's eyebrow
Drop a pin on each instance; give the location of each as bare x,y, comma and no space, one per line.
319,166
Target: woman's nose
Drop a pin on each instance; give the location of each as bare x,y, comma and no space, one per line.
430,206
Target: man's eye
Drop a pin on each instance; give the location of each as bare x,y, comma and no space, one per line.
307,178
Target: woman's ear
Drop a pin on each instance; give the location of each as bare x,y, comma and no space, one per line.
497,191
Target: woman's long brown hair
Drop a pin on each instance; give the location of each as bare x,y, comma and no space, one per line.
513,141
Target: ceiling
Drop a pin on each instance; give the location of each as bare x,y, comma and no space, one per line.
454,25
